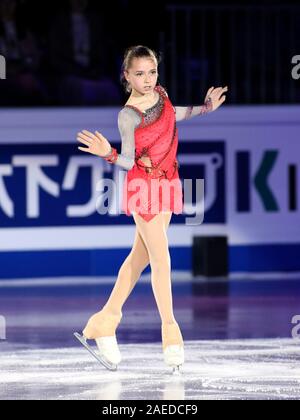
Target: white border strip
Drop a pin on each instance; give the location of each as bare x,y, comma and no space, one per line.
116,237
60,125
91,237
177,277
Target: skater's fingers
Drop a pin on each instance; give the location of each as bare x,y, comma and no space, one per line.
84,149
84,137
216,91
89,134
210,90
87,143
208,93
224,89
99,136
221,92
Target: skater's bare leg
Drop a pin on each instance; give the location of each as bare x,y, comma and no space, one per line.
129,273
154,234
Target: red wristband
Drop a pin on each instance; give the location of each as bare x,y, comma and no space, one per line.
112,157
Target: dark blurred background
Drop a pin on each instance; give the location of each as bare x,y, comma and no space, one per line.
69,53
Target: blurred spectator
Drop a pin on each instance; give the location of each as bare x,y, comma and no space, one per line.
79,56
17,44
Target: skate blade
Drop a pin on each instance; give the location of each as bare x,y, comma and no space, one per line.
100,358
176,371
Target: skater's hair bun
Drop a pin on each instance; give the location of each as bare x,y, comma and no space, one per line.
136,51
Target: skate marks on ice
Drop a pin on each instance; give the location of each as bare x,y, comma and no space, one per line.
227,369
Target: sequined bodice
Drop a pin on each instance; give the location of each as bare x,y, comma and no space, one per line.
130,119
151,114
137,142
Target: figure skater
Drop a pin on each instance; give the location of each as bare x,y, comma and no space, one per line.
147,125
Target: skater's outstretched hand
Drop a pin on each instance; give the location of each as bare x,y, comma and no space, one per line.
215,94
96,143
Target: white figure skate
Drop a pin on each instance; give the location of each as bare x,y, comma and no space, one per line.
174,356
101,328
173,346
108,355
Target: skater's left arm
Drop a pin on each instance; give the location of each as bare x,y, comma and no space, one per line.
213,100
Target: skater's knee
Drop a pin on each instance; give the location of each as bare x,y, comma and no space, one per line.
160,261
135,262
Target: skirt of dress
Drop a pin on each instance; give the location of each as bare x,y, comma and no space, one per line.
148,195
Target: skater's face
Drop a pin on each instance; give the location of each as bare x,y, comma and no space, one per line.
142,75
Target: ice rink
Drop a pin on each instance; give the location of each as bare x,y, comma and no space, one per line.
237,334
228,369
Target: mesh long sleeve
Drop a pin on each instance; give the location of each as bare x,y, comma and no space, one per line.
128,120
187,112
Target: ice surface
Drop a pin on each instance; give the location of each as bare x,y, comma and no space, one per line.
215,369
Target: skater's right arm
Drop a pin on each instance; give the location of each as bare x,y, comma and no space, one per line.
128,120
97,144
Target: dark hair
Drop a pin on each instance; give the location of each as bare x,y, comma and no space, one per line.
136,51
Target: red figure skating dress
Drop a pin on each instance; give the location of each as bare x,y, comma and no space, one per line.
149,190
159,141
